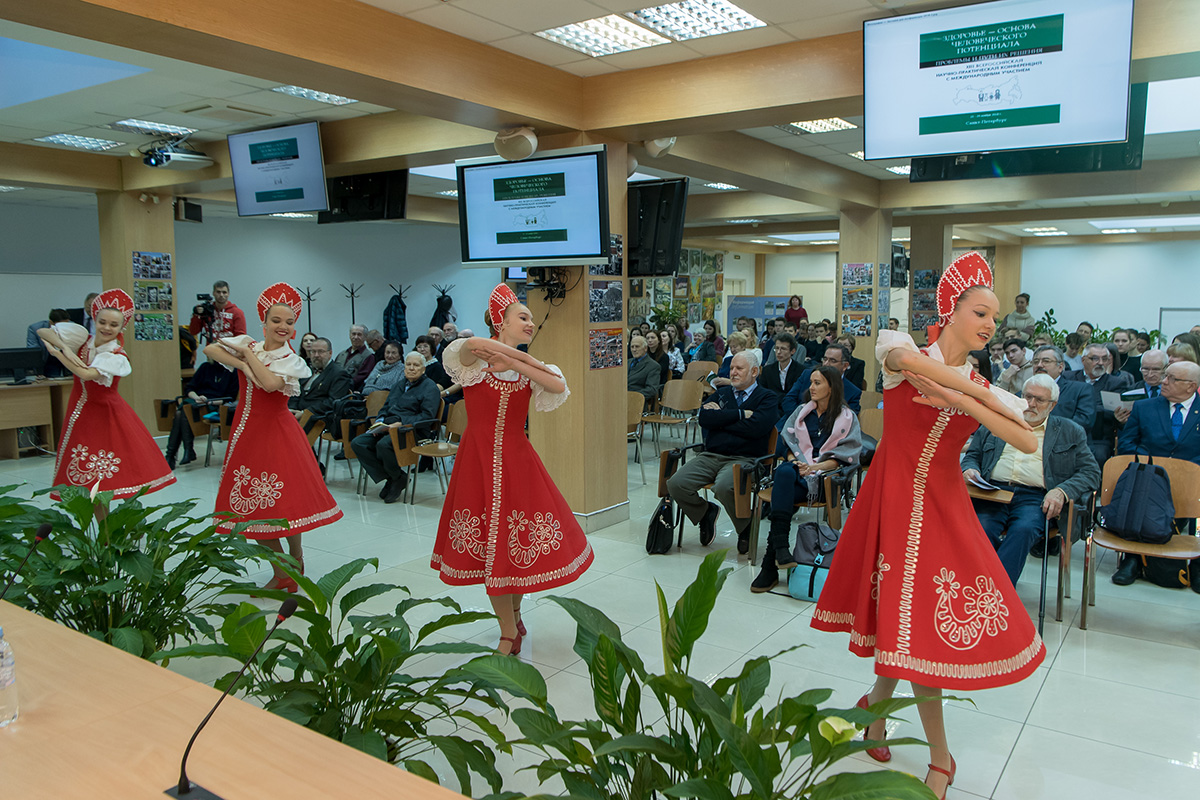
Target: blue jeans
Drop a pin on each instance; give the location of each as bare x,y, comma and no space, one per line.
1022,518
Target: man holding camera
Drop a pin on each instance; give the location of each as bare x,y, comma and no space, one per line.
217,316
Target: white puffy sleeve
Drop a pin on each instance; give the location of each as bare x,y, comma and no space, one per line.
229,342
1010,400
73,336
886,343
546,400
463,376
110,365
293,370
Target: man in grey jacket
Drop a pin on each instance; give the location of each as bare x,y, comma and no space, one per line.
1061,468
644,371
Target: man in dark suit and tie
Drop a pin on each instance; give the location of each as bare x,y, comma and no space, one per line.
1153,367
1167,425
781,374
1075,401
1096,363
737,422
329,383
836,356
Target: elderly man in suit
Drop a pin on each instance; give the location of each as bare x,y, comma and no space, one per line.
1096,363
645,373
781,374
1153,368
329,383
737,422
1075,401
1061,469
1167,425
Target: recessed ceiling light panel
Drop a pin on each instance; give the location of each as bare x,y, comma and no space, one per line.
293,215
859,154
603,36
148,128
79,142
1119,230
1148,222
1040,229
449,192
12,188
724,187
1052,233
313,94
828,125
695,19
743,221
903,169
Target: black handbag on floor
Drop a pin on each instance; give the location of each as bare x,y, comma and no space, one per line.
1141,509
661,533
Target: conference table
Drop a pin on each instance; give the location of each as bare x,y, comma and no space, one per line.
98,722
41,405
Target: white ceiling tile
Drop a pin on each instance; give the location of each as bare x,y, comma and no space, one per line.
537,49
620,6
278,101
740,40
651,56
813,28
401,6
462,23
780,11
587,67
533,15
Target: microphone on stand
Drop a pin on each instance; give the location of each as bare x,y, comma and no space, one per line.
42,532
186,788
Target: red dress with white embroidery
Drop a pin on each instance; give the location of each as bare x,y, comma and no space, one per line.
504,523
914,580
103,439
270,471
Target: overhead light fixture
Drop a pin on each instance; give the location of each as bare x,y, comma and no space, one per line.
901,239
1040,229
293,215
603,36
695,19
824,241
743,221
449,193
724,187
759,241
1148,222
1052,233
859,154
12,189
79,142
148,128
808,237
313,94
827,125
903,169
1119,230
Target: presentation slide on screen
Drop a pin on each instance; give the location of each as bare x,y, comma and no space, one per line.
997,76
534,209
278,170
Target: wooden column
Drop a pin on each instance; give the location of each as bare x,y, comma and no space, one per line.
582,443
865,237
760,274
126,225
930,247
1007,273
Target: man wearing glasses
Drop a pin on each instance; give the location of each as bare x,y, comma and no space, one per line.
1075,400
1167,425
836,356
1097,363
1153,368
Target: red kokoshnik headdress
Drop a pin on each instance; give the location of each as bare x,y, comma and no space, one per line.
501,298
118,299
967,270
278,294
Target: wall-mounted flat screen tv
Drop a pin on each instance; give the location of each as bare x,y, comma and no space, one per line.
278,169
1007,75
549,210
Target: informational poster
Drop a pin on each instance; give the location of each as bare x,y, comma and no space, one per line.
925,279
760,309
604,301
152,295
681,287
857,298
153,327
857,274
154,266
859,325
606,347
885,302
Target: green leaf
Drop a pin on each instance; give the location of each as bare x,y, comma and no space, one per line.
751,682
509,674
244,629
369,742
703,788
590,623
538,727
606,674
692,610
641,743
665,629
356,597
128,639
417,767
883,785
332,582
449,620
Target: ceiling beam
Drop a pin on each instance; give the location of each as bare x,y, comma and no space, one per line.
722,206
1019,216
51,168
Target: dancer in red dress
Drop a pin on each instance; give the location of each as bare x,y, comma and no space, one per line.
103,441
915,581
504,523
270,472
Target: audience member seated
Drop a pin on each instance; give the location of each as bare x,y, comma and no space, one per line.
978,359
736,423
855,372
780,375
1167,425
836,356
766,344
1096,363
712,332
674,352
1073,355
354,356
439,340
1128,358
1019,369
388,372
893,324
704,347
52,368
211,382
1085,330
820,436
1021,319
736,343
996,357
643,376
434,370
329,382
305,341
657,351
818,333
415,399
1142,342
1074,401
1061,469
1154,364
1182,351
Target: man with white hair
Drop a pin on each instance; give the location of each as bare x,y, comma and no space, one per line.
1095,373
643,374
737,422
1153,367
1041,482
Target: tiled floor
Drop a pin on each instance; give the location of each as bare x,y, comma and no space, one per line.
1113,713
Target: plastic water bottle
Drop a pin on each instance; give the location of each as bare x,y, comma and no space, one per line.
8,683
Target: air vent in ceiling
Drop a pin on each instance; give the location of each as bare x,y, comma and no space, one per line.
224,111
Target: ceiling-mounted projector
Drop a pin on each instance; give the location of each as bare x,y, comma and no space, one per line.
172,154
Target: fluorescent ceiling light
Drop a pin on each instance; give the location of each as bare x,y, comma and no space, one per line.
1052,233
449,192
148,128
859,154
1041,229
724,187
445,172
903,169
313,94
1147,222
828,125
694,19
12,188
901,239
293,215
603,36
1119,230
1171,106
759,241
743,221
808,237
825,241
79,142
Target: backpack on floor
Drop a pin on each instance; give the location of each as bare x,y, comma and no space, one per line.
1141,509
661,533
1169,572
814,548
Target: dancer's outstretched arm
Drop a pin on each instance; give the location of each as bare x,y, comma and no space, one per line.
500,357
